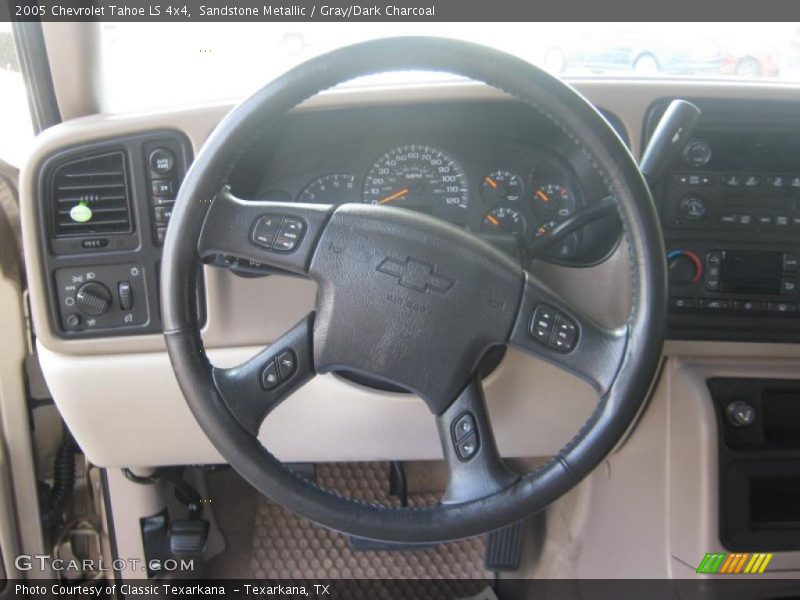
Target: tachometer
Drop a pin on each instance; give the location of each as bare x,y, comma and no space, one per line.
335,188
417,177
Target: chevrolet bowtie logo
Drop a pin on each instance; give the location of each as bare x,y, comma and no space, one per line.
416,275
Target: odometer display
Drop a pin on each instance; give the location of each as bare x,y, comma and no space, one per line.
417,177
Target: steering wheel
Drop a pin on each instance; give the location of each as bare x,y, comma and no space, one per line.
412,301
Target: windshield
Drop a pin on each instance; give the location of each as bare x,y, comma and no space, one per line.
146,65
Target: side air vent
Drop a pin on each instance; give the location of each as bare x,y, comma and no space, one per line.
90,196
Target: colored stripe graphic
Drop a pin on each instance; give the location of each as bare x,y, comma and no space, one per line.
734,564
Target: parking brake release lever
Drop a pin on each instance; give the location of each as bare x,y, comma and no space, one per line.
669,137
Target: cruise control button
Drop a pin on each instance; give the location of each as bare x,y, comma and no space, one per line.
468,447
289,235
269,376
287,364
265,230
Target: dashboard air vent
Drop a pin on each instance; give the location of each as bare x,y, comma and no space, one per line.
90,196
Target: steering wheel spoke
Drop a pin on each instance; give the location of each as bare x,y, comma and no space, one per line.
254,388
552,329
474,467
279,234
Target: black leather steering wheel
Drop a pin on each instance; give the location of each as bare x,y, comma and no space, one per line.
411,300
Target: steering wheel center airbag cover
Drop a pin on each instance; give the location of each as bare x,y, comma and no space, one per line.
392,278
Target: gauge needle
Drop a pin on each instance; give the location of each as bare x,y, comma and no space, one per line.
493,220
393,197
491,182
543,196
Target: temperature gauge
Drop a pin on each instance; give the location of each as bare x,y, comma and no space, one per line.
504,220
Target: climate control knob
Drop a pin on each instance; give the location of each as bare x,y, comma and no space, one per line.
93,299
684,267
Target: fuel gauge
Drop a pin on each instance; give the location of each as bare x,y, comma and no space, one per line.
553,201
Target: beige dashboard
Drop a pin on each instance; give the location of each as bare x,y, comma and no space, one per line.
121,401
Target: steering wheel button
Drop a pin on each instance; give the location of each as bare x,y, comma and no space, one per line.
468,447
269,376
265,229
542,323
464,426
287,364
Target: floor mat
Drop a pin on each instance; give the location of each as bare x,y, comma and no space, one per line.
288,546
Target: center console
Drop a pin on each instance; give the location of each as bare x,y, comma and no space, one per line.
730,212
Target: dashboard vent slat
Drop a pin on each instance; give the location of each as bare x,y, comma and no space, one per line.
98,182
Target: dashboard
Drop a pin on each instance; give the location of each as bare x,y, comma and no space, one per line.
500,171
117,392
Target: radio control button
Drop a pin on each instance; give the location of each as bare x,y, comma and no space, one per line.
729,219
752,181
790,262
745,220
788,285
781,220
782,307
765,220
733,180
794,182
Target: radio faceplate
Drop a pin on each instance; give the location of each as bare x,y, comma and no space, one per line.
730,213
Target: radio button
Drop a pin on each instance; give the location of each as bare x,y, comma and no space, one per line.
788,285
733,180
781,220
782,307
765,220
794,182
745,220
729,219
790,262
748,305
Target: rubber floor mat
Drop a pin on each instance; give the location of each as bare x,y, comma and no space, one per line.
288,546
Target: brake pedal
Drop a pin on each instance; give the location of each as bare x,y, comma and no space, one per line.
504,548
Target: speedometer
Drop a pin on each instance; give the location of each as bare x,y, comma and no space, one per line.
417,177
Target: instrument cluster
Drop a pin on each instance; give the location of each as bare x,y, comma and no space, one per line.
507,195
